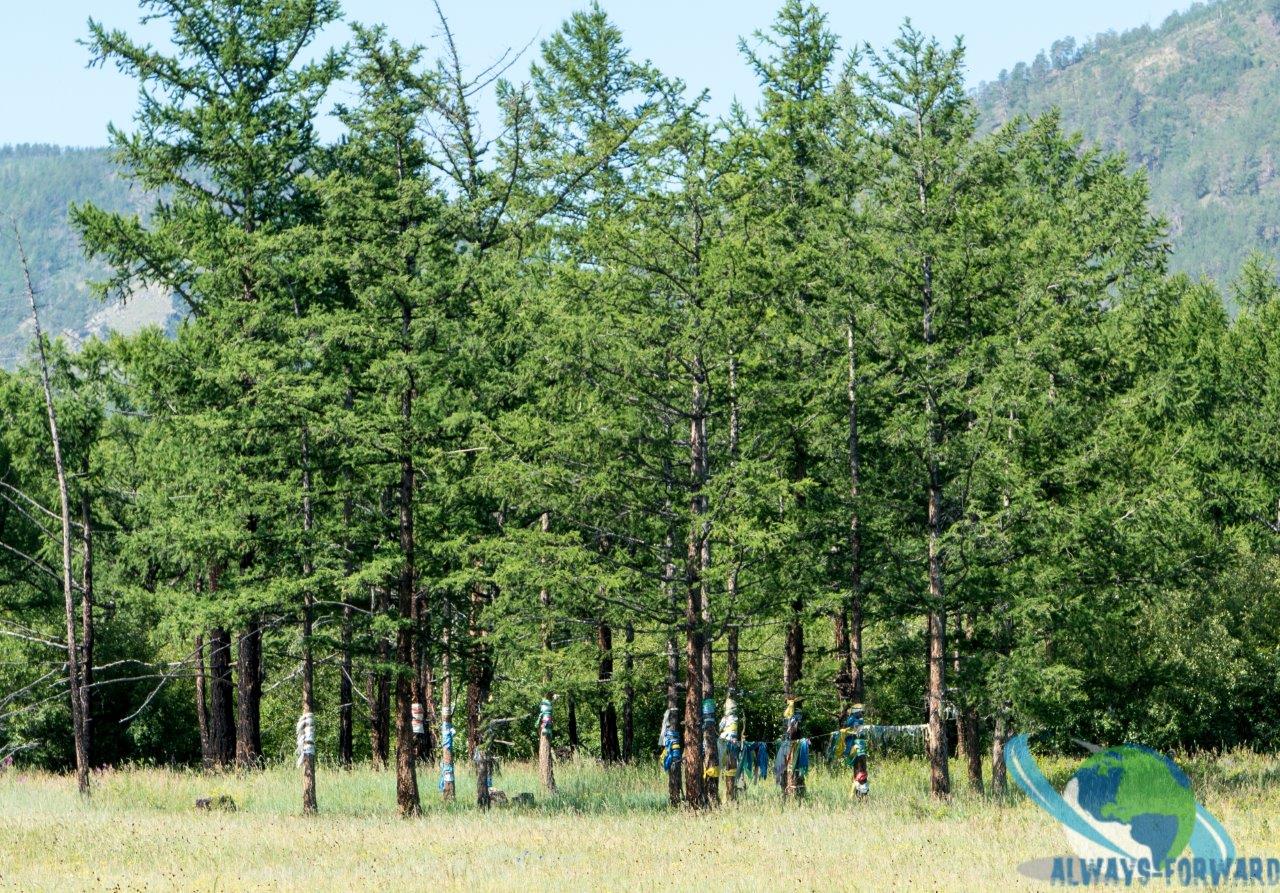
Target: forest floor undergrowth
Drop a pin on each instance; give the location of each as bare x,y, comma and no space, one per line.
608,829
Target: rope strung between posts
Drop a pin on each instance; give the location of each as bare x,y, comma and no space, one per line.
305,736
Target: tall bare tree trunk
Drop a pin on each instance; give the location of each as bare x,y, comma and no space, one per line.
86,608
609,750
202,709
78,698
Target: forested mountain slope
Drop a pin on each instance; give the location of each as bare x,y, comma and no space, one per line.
37,185
1196,102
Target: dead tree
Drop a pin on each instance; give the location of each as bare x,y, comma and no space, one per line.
78,725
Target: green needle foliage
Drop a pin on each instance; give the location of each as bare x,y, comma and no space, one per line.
841,398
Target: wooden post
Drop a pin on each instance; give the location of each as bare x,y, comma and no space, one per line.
78,728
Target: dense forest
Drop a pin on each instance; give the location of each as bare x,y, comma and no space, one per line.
572,432
1193,102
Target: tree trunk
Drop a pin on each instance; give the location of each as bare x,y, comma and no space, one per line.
694,794
78,724
406,772
249,697
698,782
86,610
968,745
731,663
222,736
575,743
675,784
939,772
425,685
849,618
793,644
628,696
999,772
479,667
307,753
346,693
202,710
377,690
448,784
609,750
546,767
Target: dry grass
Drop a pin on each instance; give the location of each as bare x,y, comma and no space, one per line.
607,831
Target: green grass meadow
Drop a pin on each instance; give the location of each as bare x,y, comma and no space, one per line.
607,830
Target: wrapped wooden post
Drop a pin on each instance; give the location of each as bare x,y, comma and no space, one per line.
446,753
730,746
851,747
546,769
710,750
672,751
305,748
793,752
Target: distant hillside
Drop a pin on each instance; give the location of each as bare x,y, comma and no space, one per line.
37,185
1196,102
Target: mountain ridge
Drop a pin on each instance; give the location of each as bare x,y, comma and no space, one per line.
1195,102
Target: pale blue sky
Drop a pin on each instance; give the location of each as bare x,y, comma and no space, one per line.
48,95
